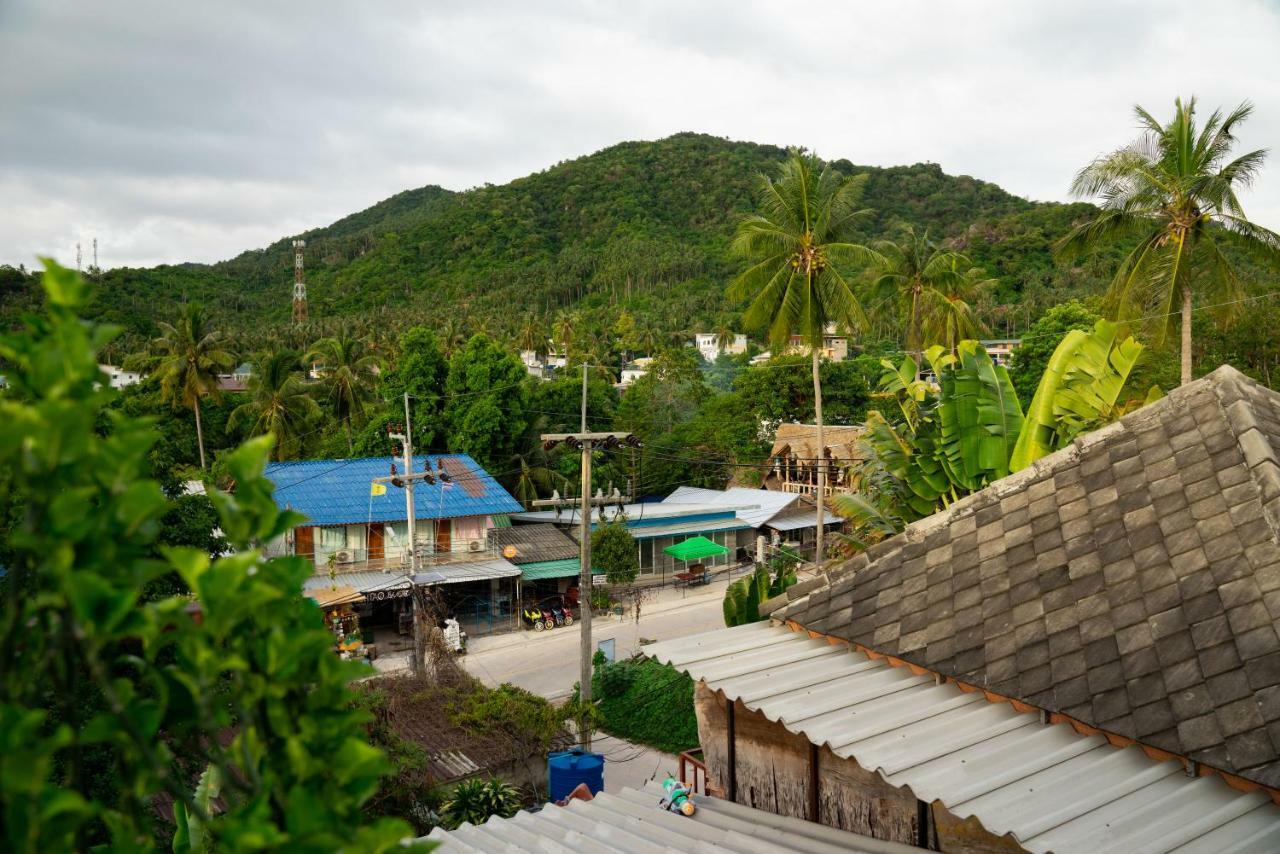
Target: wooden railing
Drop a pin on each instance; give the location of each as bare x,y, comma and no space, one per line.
693,771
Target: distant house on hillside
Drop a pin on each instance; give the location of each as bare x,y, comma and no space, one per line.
119,377
1000,349
835,347
634,370
543,367
237,380
708,344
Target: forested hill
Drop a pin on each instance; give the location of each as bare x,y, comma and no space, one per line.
640,225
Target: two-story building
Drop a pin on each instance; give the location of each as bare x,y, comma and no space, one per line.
357,535
710,346
835,347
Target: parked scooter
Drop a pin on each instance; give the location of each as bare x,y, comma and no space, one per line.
557,607
454,637
535,619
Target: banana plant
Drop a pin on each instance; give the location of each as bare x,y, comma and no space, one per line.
979,416
1080,391
743,598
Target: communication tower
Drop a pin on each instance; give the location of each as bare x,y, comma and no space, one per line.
299,286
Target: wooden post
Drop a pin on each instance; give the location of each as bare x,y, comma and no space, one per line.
731,785
813,782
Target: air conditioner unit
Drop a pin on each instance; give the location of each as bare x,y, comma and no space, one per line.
475,545
344,556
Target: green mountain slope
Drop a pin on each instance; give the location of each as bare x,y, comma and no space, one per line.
640,225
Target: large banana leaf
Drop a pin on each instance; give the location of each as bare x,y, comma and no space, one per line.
1079,391
979,417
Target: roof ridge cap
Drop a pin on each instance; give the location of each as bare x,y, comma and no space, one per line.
1236,396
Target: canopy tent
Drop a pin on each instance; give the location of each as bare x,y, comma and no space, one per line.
695,548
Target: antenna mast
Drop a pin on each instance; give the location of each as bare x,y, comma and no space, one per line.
299,286
97,271
78,256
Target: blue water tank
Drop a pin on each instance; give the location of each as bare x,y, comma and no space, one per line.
567,768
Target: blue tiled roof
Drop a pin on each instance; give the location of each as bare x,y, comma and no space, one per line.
336,492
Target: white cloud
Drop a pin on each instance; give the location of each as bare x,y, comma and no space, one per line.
175,132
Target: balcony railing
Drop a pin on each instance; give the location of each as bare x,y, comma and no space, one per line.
693,771
358,560
802,488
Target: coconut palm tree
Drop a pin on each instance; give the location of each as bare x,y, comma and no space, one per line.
350,374
917,270
949,315
799,248
191,356
278,401
724,337
1173,191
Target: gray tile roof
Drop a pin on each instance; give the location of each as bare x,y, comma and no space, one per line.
1131,581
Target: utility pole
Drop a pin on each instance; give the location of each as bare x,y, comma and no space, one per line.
408,481
586,442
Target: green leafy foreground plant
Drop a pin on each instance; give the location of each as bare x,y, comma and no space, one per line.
476,801
241,696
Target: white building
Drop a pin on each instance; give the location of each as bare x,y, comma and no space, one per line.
709,345
634,371
1000,349
120,378
834,345
542,366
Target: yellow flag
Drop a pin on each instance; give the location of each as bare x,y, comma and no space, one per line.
377,489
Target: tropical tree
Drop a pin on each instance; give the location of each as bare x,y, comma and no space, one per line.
917,272
532,336
1173,191
278,401
350,375
724,337
800,248
1031,356
532,475
1081,390
950,317
475,801
192,356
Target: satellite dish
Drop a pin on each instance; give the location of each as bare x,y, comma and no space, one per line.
509,552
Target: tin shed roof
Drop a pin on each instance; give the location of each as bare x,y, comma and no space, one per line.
337,492
1048,786
631,821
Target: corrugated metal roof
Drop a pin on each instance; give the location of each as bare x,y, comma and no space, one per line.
632,821
753,506
1053,789
554,569
336,492
365,582
455,573
797,519
649,532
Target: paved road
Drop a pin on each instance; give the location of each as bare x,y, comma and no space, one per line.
546,663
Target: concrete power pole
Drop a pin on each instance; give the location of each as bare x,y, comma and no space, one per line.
586,442
408,481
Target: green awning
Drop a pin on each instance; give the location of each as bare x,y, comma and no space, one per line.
695,548
567,568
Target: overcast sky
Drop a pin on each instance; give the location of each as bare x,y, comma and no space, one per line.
184,131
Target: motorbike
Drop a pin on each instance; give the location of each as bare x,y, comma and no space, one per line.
559,609
535,619
454,637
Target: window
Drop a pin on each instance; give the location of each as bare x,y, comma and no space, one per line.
646,556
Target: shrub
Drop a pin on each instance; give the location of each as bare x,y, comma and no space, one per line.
475,801
647,702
